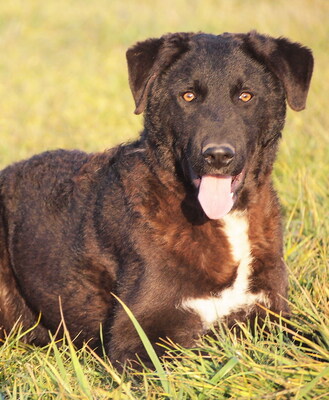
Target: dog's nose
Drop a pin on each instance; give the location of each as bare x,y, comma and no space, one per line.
218,155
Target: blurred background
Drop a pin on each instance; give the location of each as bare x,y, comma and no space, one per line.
63,75
64,84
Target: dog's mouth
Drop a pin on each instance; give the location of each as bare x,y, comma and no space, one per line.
217,193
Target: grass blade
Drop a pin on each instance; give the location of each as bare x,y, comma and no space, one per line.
116,378
307,388
148,347
82,380
226,368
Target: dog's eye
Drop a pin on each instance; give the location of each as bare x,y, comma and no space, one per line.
189,96
245,97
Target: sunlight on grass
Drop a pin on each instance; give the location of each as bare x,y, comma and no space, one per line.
63,84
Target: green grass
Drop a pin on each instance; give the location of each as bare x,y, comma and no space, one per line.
63,83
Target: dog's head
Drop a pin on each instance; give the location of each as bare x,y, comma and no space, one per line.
216,103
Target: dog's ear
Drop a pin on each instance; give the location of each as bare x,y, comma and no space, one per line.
291,62
148,59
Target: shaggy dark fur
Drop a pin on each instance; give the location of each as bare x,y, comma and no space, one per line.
76,227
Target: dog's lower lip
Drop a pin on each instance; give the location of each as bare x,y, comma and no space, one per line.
196,181
236,181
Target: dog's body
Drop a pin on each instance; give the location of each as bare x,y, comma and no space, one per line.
141,220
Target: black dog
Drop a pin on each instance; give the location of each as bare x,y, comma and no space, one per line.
183,224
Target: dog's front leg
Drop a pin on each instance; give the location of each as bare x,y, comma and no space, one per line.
180,326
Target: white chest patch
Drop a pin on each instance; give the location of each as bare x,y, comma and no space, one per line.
238,296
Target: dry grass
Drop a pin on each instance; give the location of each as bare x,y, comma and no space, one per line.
63,83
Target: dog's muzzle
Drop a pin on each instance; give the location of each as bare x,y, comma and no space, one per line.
218,187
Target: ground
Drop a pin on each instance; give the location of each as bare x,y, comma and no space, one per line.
63,84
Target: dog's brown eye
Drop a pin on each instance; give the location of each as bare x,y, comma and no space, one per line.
189,96
245,97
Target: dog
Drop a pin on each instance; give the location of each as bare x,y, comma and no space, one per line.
183,224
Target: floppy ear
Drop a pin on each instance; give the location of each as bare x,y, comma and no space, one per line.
291,62
148,59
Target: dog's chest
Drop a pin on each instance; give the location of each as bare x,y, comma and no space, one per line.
237,297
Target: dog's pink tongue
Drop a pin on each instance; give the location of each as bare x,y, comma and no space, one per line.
215,195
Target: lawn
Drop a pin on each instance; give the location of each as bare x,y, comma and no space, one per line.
63,84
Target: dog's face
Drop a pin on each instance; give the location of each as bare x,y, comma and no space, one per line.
216,102
217,99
